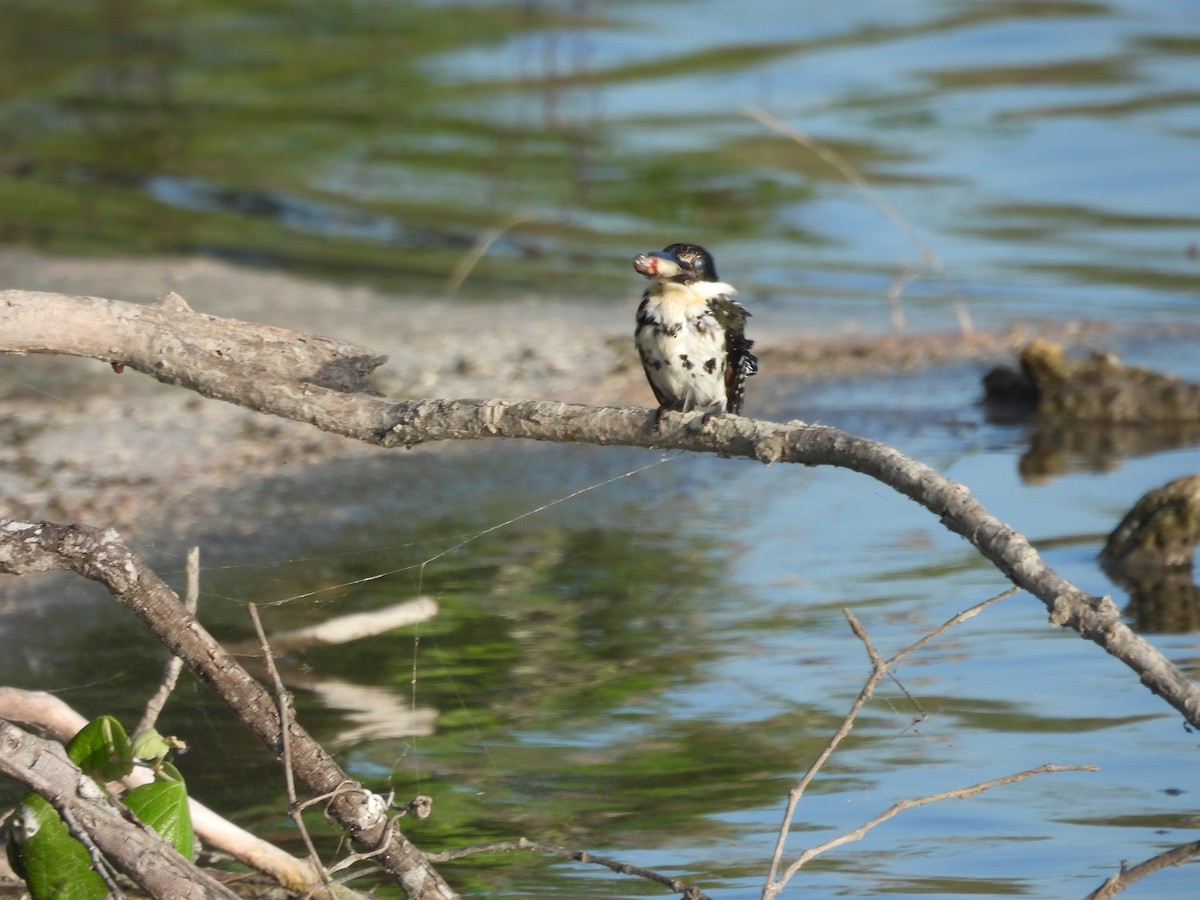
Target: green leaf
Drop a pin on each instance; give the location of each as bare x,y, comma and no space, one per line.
54,865
148,744
102,750
163,805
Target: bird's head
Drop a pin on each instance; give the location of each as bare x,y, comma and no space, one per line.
681,263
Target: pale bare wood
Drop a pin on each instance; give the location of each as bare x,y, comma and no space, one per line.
1129,875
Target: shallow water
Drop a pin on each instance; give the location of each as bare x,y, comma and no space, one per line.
643,670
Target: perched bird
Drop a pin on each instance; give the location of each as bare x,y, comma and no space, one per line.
691,333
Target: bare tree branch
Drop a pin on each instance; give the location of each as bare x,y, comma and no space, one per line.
281,373
287,715
897,808
169,336
103,557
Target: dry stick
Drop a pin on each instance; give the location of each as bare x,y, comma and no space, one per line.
689,893
1113,885
284,374
879,668
929,257
355,858
154,706
906,276
284,700
847,171
897,808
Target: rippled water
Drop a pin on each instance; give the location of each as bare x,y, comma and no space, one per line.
642,671
1044,152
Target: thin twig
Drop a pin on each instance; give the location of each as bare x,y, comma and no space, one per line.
951,622
688,892
354,858
797,791
284,701
880,668
100,865
154,706
901,806
847,171
906,276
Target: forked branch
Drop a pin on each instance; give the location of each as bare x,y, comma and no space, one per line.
880,668
313,379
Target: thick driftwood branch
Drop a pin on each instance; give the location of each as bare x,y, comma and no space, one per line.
132,848
170,337
101,556
383,422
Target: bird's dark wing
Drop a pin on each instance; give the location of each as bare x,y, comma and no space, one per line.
740,363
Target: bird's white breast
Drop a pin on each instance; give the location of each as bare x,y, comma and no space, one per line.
683,344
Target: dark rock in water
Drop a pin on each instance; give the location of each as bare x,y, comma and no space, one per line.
1097,389
1150,554
1161,530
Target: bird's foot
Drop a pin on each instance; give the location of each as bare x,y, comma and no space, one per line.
697,426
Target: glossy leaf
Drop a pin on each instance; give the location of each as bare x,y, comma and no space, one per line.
163,806
54,864
101,749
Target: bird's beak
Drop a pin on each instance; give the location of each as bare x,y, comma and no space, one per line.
660,266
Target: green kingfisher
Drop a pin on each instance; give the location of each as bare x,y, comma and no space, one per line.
691,333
